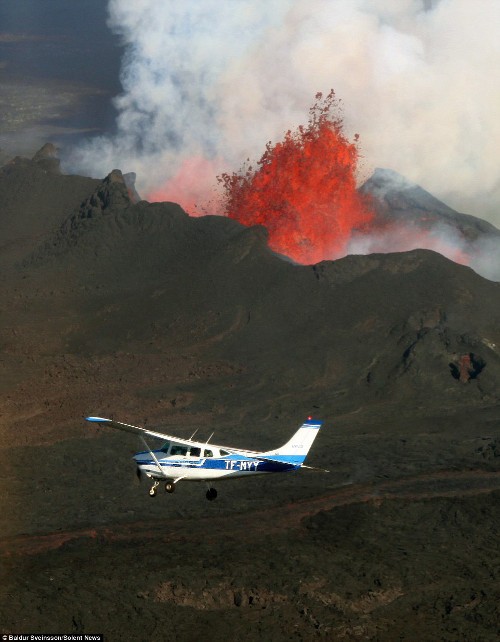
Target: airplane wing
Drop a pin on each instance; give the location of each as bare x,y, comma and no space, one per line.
137,430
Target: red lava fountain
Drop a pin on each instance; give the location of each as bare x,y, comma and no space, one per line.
303,189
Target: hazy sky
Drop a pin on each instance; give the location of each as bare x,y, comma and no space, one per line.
59,69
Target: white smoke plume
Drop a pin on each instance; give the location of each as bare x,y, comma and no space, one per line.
207,84
481,255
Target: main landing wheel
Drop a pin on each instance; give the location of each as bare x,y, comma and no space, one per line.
169,487
211,494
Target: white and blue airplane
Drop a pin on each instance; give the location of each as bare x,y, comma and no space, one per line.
185,459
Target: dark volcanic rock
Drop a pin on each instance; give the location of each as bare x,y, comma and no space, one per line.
396,198
138,311
46,158
130,183
407,215
362,327
35,200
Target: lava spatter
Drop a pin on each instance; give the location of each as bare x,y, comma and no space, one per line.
303,189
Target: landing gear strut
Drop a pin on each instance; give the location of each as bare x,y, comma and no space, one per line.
153,489
211,494
169,487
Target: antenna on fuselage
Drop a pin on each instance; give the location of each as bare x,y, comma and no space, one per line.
210,438
191,438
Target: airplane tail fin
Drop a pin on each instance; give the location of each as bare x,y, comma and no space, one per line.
296,449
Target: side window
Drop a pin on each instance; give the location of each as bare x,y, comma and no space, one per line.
165,447
195,452
179,450
223,453
208,453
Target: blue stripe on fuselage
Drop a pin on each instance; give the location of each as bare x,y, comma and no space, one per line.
232,463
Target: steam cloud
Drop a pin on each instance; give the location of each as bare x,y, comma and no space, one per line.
207,84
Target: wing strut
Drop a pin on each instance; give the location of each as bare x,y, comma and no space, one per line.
153,456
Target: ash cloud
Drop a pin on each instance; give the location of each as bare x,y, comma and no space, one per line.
214,81
172,74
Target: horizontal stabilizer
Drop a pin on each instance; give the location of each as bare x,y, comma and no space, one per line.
316,469
255,455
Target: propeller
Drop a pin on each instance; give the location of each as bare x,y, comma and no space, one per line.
138,472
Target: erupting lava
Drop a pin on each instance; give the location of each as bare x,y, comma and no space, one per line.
303,190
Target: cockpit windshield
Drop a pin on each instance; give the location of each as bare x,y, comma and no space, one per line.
165,447
177,449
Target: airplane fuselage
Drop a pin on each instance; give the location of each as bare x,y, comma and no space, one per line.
206,468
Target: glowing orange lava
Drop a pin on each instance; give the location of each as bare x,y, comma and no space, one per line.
303,189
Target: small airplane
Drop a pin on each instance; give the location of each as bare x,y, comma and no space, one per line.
185,459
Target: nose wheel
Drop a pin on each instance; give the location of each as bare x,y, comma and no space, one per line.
211,494
154,489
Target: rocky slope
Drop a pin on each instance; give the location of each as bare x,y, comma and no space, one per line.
115,306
